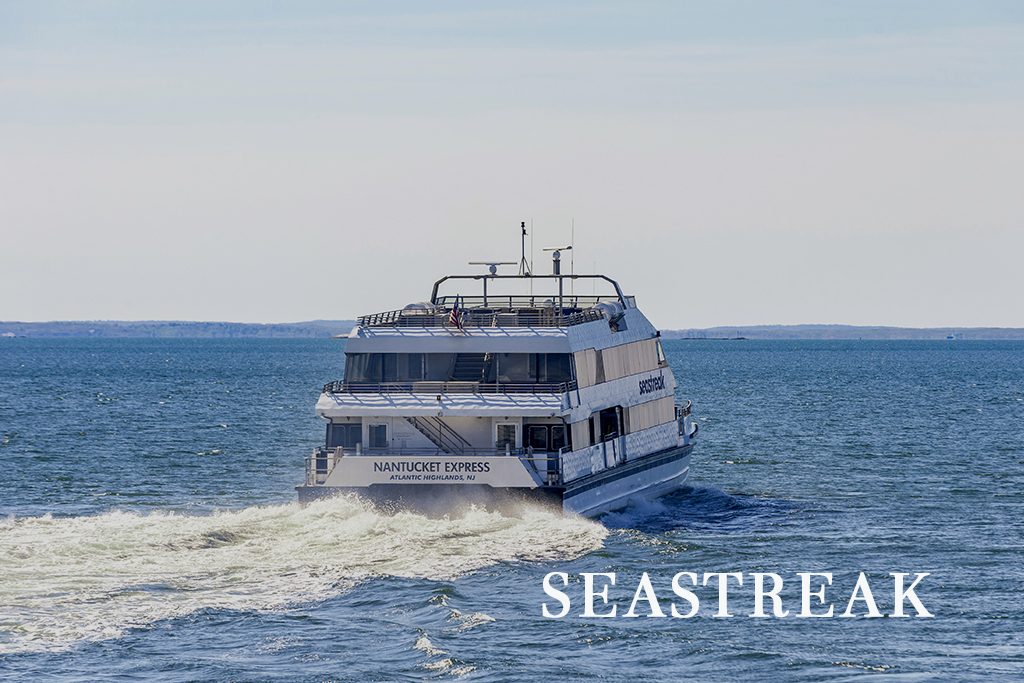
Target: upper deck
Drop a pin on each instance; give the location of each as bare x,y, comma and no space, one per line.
554,308
491,312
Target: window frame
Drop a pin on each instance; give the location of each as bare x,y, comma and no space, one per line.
370,434
347,428
515,434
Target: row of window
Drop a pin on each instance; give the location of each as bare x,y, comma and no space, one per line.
603,425
540,437
611,423
527,368
350,434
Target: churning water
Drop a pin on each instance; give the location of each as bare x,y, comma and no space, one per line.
84,578
147,526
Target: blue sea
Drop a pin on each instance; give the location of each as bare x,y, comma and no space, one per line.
148,529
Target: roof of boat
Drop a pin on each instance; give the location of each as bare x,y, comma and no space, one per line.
408,403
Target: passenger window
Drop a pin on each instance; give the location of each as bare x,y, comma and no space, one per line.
537,437
506,436
559,437
378,436
415,363
346,435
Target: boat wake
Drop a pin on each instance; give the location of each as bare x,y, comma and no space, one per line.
699,509
73,579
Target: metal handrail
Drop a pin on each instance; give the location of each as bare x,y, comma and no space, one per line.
525,453
513,302
560,278
450,432
533,317
440,433
453,387
684,409
328,456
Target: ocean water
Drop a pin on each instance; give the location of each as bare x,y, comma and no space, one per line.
148,529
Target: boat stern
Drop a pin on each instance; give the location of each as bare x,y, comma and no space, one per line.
423,481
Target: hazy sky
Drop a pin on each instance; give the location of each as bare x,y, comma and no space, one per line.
728,162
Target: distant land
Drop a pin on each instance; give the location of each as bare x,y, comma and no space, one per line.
845,332
312,329
181,329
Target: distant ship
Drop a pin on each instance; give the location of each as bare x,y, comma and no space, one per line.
557,397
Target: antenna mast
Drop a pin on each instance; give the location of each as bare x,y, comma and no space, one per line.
572,256
524,265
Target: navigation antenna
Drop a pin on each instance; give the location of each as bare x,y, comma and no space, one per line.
556,270
524,265
492,268
572,256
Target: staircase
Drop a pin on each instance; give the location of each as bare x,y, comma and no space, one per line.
440,434
469,367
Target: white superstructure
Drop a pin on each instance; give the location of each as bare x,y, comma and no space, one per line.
539,393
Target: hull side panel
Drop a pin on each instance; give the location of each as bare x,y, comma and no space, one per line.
645,479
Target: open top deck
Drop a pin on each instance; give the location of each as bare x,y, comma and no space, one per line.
556,306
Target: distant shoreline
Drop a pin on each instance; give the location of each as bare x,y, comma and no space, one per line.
324,329
175,329
847,333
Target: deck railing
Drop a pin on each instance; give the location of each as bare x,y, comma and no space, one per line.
454,387
491,317
684,410
520,301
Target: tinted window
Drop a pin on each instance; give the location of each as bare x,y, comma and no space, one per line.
555,368
506,436
440,366
559,437
378,436
537,437
362,367
508,368
514,368
346,435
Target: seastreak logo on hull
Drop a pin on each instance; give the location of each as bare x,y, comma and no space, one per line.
652,384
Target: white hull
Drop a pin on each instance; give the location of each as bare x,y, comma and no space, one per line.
646,483
645,478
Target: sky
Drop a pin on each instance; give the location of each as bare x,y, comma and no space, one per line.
731,162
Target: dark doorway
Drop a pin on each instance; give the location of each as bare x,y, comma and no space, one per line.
610,423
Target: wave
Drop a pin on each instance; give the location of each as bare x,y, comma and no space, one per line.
72,579
699,508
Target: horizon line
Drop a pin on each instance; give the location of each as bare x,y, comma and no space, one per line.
355,319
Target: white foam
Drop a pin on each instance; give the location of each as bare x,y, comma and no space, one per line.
65,580
469,621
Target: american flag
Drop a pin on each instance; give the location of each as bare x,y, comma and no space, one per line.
455,317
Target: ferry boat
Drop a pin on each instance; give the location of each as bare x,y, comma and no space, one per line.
537,393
